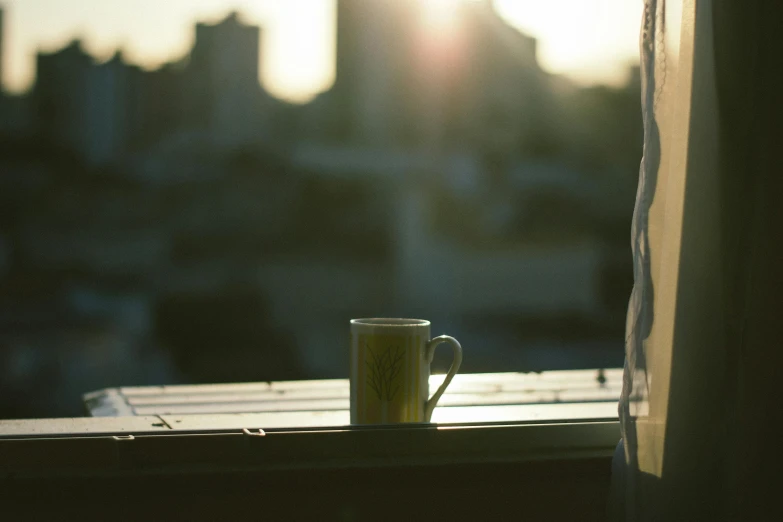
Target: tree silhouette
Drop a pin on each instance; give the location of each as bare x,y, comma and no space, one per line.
383,369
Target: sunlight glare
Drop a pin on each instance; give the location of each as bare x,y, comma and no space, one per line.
296,57
440,15
588,40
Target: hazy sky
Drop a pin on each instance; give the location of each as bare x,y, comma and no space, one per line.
589,40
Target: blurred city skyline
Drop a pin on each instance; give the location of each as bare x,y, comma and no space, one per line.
182,225
588,41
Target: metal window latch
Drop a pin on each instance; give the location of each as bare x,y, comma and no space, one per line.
259,433
123,437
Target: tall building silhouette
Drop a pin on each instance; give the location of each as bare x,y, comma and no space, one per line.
82,105
402,82
223,95
498,97
103,111
60,96
157,104
372,78
108,110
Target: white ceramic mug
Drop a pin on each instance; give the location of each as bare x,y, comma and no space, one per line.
390,370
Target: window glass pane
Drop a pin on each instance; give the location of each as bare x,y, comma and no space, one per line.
207,191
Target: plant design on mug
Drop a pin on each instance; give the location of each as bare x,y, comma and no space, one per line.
383,369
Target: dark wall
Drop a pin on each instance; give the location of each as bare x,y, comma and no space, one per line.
551,491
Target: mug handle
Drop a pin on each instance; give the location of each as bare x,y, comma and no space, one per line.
431,345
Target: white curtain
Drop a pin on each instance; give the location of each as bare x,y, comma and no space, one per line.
703,354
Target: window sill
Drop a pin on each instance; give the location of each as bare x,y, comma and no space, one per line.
540,472
121,445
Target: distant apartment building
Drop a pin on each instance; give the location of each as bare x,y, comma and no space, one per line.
404,80
156,105
373,70
222,92
60,96
104,111
85,105
82,105
109,110
497,95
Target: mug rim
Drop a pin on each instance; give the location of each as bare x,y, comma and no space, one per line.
393,322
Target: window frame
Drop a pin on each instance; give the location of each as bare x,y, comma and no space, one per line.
111,445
